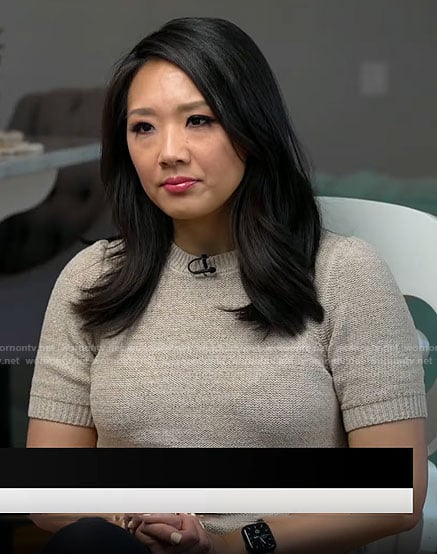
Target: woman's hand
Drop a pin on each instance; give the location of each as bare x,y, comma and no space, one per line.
172,533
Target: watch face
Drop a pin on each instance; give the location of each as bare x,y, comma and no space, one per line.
258,537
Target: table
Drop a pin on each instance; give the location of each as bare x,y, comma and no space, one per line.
25,180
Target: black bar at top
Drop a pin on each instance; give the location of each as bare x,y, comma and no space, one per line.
206,468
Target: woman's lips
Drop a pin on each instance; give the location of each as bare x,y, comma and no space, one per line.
181,187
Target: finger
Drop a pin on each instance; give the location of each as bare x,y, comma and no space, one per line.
192,537
159,531
199,517
154,544
127,519
175,520
199,523
117,518
167,535
195,527
133,524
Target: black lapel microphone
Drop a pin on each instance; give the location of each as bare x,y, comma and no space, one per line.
205,265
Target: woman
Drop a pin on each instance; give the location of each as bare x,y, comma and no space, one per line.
199,157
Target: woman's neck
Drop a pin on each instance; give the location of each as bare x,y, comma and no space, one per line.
198,238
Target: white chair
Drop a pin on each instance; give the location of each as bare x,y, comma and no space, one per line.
407,240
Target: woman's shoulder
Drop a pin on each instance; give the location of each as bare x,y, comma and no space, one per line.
343,245
338,252
348,264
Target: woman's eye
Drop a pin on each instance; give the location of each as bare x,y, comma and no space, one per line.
200,120
141,128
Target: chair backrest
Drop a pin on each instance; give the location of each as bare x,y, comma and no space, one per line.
407,240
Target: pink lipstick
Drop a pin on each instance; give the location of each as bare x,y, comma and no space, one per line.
179,184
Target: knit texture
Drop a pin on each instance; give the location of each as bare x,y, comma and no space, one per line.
189,375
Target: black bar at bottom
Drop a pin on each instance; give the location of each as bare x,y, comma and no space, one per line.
207,468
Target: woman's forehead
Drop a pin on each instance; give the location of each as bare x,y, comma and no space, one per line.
159,83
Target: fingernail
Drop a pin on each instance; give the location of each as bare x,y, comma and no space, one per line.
176,538
130,524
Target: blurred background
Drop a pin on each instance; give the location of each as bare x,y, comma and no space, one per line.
358,76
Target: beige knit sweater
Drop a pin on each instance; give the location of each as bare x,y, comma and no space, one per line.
189,375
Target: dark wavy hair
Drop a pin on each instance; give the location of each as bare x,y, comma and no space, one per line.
275,219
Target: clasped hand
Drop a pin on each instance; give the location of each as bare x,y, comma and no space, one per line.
171,533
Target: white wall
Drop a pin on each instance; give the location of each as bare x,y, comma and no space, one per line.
314,46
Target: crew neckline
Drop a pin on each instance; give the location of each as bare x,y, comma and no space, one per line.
178,259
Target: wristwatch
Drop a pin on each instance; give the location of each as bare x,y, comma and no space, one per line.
258,537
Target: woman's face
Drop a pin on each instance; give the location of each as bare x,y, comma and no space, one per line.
172,132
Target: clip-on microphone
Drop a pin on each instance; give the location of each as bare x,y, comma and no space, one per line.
205,265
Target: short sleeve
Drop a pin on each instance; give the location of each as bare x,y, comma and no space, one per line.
60,388
373,351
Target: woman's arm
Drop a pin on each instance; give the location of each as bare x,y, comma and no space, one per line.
51,434
334,534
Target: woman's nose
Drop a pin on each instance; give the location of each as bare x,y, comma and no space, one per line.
173,148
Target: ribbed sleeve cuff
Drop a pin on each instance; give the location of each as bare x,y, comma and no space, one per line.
62,412
405,407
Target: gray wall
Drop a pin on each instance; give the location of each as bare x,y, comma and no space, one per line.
316,48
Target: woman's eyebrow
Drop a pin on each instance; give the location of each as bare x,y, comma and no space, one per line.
180,108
